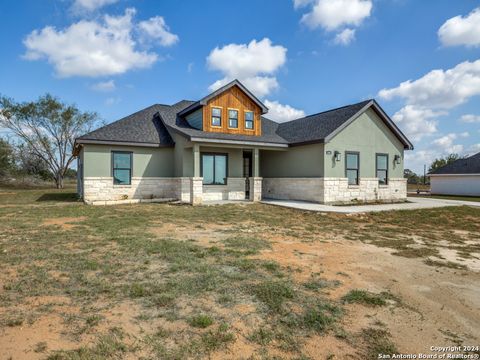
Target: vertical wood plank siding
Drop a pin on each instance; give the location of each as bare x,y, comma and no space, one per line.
234,99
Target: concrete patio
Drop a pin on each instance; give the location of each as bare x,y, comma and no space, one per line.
412,204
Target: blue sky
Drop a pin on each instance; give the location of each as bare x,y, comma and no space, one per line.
301,57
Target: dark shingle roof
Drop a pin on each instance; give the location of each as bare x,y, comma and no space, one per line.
140,127
470,165
177,123
318,126
154,124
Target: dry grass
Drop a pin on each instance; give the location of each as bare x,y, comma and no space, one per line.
119,290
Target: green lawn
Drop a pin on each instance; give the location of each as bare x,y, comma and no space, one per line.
185,294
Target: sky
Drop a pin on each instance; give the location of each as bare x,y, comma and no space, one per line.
419,59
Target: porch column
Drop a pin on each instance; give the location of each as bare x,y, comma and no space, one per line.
196,185
255,180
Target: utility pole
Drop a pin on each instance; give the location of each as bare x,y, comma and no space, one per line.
424,174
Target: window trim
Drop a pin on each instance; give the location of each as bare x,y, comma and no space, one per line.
211,116
112,169
358,166
245,120
376,168
228,117
226,167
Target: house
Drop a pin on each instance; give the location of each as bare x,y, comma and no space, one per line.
462,177
222,147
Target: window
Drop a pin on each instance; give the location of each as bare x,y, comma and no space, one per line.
248,119
216,117
352,160
233,118
382,168
122,167
214,169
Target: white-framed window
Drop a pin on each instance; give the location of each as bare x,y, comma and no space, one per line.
249,119
216,116
232,118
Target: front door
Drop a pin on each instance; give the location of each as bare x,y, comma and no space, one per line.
247,171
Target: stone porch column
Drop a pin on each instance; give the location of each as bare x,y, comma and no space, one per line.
255,180
196,185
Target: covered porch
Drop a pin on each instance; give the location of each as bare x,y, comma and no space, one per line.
223,172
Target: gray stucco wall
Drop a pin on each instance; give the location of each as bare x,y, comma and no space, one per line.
368,135
297,161
183,157
147,162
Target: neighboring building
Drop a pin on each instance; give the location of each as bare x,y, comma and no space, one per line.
462,177
221,147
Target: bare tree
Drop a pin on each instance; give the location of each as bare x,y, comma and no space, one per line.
48,127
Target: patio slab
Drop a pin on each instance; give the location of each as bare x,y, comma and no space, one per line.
412,204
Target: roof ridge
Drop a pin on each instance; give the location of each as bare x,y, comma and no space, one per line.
326,111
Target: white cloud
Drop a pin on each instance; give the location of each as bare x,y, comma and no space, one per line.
104,86
90,48
470,118
446,145
253,64
190,67
473,149
91,5
437,148
334,14
440,88
281,113
155,28
461,30
301,3
417,122
345,37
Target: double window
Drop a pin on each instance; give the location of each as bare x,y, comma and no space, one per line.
382,168
233,118
122,167
352,166
214,169
248,119
216,116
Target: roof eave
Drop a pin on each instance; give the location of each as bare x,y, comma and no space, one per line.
407,145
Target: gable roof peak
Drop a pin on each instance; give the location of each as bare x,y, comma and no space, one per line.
235,82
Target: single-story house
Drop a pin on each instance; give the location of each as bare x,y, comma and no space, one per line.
223,147
462,177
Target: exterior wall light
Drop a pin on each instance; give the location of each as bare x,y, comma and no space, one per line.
397,159
337,155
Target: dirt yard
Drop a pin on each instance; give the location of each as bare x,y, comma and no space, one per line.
163,281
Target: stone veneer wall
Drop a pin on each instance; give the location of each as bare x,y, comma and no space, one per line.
233,190
255,188
306,189
337,190
102,189
185,189
334,190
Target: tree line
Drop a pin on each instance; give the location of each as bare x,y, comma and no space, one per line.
413,178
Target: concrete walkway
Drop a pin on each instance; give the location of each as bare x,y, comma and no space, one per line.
414,203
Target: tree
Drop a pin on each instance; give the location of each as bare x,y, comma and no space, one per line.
441,162
411,177
28,163
48,128
7,161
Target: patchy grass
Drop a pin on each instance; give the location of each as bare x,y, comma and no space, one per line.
201,321
182,299
366,298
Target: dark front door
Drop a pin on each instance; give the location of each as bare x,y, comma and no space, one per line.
247,171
